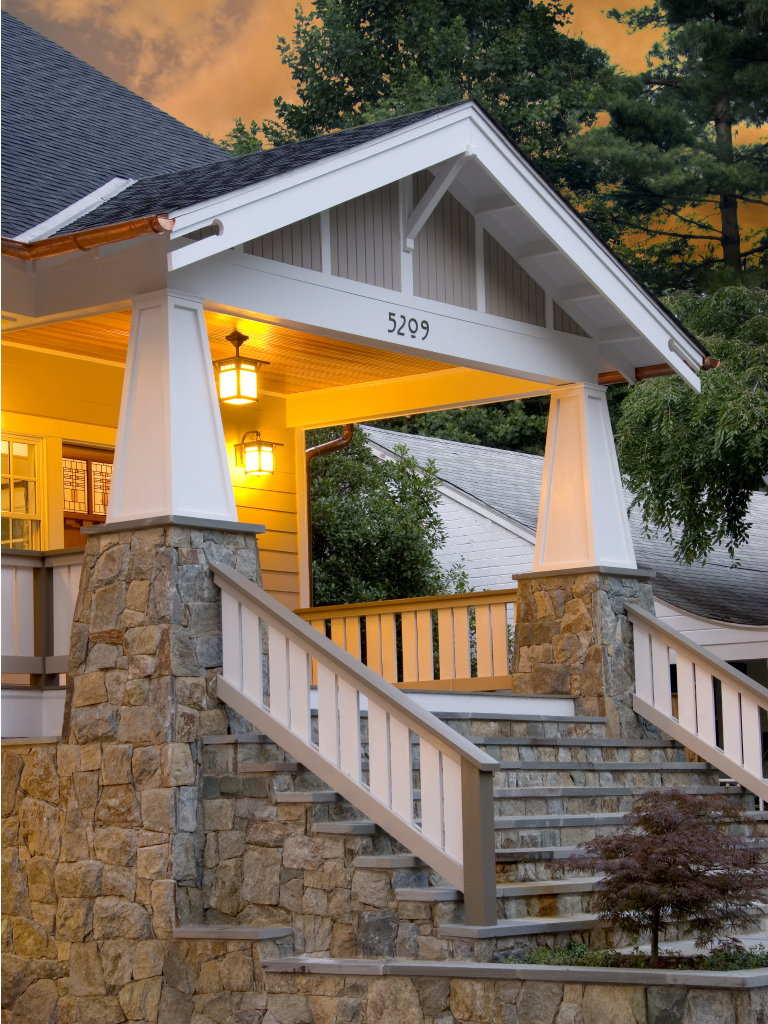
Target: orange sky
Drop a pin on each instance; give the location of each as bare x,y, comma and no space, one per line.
209,61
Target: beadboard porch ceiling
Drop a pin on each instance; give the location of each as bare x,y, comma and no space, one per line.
298,362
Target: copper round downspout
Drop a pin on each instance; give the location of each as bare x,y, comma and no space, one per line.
336,445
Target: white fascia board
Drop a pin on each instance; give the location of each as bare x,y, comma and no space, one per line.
462,497
665,610
75,210
278,201
351,311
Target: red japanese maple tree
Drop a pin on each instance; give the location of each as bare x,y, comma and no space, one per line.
677,860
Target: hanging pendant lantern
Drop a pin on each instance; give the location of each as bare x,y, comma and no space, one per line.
255,456
237,377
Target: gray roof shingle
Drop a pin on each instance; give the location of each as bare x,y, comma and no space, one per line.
167,192
68,129
511,481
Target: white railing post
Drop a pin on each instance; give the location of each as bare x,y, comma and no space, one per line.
479,845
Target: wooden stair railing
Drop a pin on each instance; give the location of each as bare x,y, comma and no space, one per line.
721,714
270,658
473,643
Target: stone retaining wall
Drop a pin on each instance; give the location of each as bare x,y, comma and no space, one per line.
333,999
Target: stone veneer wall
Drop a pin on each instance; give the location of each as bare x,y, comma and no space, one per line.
333,999
573,638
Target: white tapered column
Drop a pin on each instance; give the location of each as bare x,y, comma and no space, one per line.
171,458
582,515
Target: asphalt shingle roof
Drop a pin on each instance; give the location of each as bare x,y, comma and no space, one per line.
167,192
511,481
68,129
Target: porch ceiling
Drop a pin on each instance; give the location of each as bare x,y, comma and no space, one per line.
298,362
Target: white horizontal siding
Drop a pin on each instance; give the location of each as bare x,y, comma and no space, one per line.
490,553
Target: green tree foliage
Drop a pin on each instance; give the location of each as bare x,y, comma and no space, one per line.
516,426
375,526
353,62
691,460
666,180
674,863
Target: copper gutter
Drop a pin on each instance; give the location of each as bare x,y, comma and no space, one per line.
88,239
647,372
336,445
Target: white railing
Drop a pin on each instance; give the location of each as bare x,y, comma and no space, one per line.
39,591
270,659
472,633
718,712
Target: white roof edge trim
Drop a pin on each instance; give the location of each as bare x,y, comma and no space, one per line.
663,324
76,210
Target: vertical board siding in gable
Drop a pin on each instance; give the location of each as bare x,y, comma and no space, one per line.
297,244
562,322
509,291
444,266
365,238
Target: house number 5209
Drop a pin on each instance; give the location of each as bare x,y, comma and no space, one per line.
412,326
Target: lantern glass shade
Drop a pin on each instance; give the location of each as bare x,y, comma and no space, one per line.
237,377
256,457
238,380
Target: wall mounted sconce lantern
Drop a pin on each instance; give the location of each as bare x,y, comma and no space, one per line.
255,456
237,377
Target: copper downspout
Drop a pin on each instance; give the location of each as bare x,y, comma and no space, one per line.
337,445
88,239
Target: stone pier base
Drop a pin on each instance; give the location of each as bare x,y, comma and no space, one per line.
573,638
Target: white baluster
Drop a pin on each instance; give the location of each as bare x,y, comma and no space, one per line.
231,640
662,692
400,767
643,678
25,612
278,676
431,792
253,683
686,694
705,705
300,679
452,821
8,603
751,733
731,721
327,713
349,729
378,752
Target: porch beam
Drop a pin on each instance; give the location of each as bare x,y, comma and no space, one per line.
404,396
350,311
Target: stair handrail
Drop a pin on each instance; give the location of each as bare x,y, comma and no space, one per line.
742,699
456,836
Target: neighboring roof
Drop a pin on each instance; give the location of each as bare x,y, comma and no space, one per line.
511,481
68,129
166,192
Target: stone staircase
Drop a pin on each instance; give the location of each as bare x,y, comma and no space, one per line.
560,782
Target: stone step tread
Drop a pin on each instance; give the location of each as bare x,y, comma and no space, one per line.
523,854
608,766
572,741
447,894
495,716
395,860
580,820
256,767
523,926
521,793
235,933
534,792
347,828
